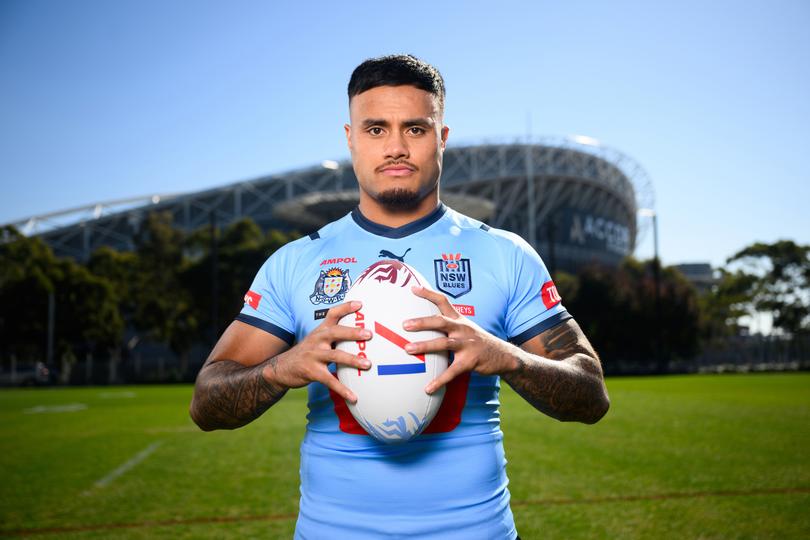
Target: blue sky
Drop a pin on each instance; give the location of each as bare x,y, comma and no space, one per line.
103,100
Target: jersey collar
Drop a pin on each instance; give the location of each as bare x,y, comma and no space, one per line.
398,232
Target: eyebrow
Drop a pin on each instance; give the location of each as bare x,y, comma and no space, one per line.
369,122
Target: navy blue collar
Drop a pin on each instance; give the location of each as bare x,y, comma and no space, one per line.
398,232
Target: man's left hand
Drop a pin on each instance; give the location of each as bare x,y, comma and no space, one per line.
473,348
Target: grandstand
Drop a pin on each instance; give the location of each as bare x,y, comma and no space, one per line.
574,200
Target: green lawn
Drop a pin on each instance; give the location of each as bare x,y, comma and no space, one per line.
676,457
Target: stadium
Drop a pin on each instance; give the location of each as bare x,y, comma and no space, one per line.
574,200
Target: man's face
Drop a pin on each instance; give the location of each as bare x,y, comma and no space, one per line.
397,140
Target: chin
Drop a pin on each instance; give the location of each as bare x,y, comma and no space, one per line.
399,199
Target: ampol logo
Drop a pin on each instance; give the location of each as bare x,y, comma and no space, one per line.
339,260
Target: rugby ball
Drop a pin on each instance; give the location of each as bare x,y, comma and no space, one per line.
392,405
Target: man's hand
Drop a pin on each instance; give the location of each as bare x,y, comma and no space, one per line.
474,349
308,360
557,371
248,370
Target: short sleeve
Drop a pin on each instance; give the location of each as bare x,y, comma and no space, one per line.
534,303
267,302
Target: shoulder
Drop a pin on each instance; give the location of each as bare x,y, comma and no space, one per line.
324,236
502,240
328,232
308,246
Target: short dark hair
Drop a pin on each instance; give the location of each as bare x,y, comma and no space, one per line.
397,70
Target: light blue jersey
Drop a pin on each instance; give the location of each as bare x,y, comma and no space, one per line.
449,482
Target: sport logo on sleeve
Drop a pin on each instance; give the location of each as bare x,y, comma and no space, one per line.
252,299
550,295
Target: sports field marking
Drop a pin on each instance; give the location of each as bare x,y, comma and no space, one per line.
68,407
127,465
282,517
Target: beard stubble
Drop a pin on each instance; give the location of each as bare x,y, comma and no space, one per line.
399,199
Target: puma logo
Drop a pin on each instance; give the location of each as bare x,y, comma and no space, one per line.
389,255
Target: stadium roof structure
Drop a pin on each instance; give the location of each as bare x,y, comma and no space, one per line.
574,200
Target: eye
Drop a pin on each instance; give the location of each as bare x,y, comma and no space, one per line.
375,131
416,130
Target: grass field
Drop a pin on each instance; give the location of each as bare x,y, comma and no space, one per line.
676,457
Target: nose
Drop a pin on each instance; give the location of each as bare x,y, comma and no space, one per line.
396,147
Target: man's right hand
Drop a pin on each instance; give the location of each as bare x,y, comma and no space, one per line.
308,360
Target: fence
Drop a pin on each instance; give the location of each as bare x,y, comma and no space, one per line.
156,363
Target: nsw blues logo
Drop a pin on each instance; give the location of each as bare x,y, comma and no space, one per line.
453,275
331,287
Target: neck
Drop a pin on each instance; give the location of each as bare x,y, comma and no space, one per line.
382,215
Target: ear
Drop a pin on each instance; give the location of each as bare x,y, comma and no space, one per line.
445,133
348,130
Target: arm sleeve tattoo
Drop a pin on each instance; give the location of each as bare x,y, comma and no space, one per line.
566,382
229,395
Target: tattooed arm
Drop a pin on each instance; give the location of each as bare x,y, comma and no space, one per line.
231,389
249,370
559,373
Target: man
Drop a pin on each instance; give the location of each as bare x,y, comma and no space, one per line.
450,481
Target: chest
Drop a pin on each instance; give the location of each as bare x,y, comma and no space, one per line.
471,279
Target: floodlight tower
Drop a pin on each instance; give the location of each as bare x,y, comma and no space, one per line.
659,357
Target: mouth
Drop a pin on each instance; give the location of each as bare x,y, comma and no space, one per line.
397,170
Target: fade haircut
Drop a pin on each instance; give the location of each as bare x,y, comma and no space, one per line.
397,70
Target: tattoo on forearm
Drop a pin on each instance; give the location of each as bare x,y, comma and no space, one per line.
566,383
228,394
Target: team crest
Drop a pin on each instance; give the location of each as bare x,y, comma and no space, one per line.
453,276
331,287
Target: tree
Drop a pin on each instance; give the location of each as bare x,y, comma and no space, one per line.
164,310
85,314
25,283
777,281
87,317
120,269
162,290
723,305
241,250
616,309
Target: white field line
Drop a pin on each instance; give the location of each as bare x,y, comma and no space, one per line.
127,465
68,407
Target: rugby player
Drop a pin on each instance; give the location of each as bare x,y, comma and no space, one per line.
502,315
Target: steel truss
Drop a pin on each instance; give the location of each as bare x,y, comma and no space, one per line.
536,186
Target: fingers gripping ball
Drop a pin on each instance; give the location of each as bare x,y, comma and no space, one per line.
392,405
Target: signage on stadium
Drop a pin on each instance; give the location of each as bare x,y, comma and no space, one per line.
593,231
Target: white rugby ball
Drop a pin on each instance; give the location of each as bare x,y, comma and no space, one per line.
392,405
